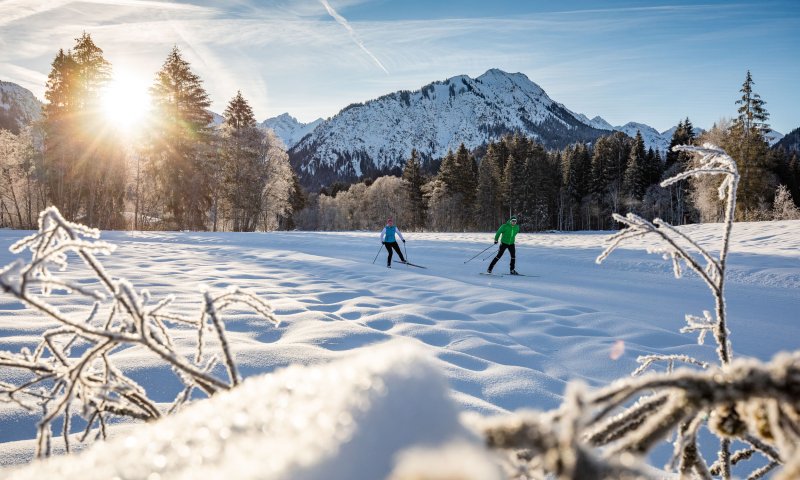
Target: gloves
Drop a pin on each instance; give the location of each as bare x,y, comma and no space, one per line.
495,242
404,240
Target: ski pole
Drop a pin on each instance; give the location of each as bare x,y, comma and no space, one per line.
376,255
490,256
405,251
487,248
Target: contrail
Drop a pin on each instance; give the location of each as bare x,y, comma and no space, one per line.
343,22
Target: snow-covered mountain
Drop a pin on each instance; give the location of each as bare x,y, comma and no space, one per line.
378,136
18,107
774,137
289,129
790,141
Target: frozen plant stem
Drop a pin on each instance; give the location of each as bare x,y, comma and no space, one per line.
89,384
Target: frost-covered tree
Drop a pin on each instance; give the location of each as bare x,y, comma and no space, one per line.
279,193
783,208
242,166
180,144
21,187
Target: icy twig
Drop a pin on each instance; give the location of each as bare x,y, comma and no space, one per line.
89,385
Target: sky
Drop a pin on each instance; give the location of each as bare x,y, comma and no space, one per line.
649,62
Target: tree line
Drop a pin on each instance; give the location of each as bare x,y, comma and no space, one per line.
179,173
572,189
183,173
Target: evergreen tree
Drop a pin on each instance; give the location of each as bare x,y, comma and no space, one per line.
412,174
745,143
634,183
467,180
676,162
577,177
609,161
514,184
243,166
60,162
488,205
181,143
752,113
83,156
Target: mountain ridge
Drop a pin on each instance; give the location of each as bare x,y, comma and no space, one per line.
19,107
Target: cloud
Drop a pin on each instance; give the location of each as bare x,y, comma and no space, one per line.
15,10
343,22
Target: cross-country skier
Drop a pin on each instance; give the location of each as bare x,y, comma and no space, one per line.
388,238
506,233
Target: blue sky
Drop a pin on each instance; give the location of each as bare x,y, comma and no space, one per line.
650,62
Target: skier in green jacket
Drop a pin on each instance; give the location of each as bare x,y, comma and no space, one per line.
506,233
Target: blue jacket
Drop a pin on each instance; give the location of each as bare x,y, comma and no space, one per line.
388,233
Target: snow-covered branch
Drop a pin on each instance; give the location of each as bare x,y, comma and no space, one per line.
61,383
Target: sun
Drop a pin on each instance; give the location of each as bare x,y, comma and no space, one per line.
125,101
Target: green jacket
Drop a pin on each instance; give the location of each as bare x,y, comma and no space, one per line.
506,233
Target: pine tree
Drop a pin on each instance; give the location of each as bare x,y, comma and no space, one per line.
609,160
243,169
514,184
466,181
752,114
634,183
412,174
181,143
487,197
83,156
745,142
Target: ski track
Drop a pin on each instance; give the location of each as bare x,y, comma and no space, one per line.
504,343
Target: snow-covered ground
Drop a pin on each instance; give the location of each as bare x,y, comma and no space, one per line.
502,343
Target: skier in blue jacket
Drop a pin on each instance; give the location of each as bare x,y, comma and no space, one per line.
388,238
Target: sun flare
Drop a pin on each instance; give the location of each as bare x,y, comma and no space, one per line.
126,101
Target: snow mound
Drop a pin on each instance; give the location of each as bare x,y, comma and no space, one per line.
349,419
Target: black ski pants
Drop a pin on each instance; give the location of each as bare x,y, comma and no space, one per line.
503,248
393,245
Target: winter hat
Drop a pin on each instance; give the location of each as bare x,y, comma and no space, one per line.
389,221
513,218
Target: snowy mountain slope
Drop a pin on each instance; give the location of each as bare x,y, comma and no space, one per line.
790,141
379,135
774,137
18,107
596,122
289,129
652,138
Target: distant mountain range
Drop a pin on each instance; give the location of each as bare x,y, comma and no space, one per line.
288,129
18,107
377,136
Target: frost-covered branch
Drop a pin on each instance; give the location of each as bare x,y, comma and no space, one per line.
60,383
681,249
593,433
749,401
